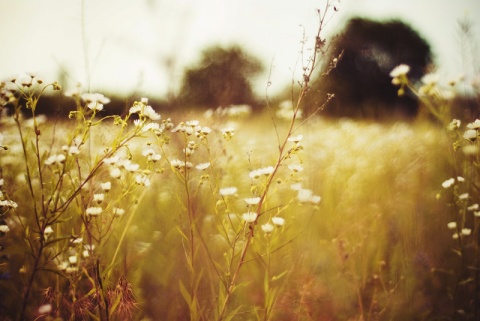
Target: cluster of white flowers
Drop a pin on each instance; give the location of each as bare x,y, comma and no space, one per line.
297,147
144,111
117,211
117,164
471,133
72,257
179,164
6,95
430,83
457,233
71,150
192,127
143,180
464,197
5,205
111,160
9,88
190,149
228,133
69,266
431,87
276,221
305,195
454,125
26,79
251,216
265,171
475,208
155,128
451,181
128,165
151,155
55,159
8,203
399,77
94,101
267,228
7,92
469,145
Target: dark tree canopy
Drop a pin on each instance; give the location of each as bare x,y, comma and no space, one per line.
361,81
221,78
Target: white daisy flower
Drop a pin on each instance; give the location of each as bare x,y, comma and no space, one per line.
94,211
249,217
203,166
448,183
267,228
278,221
400,70
252,200
227,191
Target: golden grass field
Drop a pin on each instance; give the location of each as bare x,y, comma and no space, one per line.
375,247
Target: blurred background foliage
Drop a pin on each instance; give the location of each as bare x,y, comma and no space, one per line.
221,78
367,51
355,69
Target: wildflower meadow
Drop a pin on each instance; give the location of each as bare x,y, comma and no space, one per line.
234,215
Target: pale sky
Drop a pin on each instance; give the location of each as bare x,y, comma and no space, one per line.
128,43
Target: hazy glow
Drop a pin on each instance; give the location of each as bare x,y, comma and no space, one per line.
142,46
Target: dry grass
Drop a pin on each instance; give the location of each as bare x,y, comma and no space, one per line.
368,251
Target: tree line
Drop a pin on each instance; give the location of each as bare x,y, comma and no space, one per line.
364,52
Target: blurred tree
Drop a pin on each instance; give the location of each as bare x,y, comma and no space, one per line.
221,78
369,50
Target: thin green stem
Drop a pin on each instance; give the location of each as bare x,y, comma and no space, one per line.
28,289
281,157
231,286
